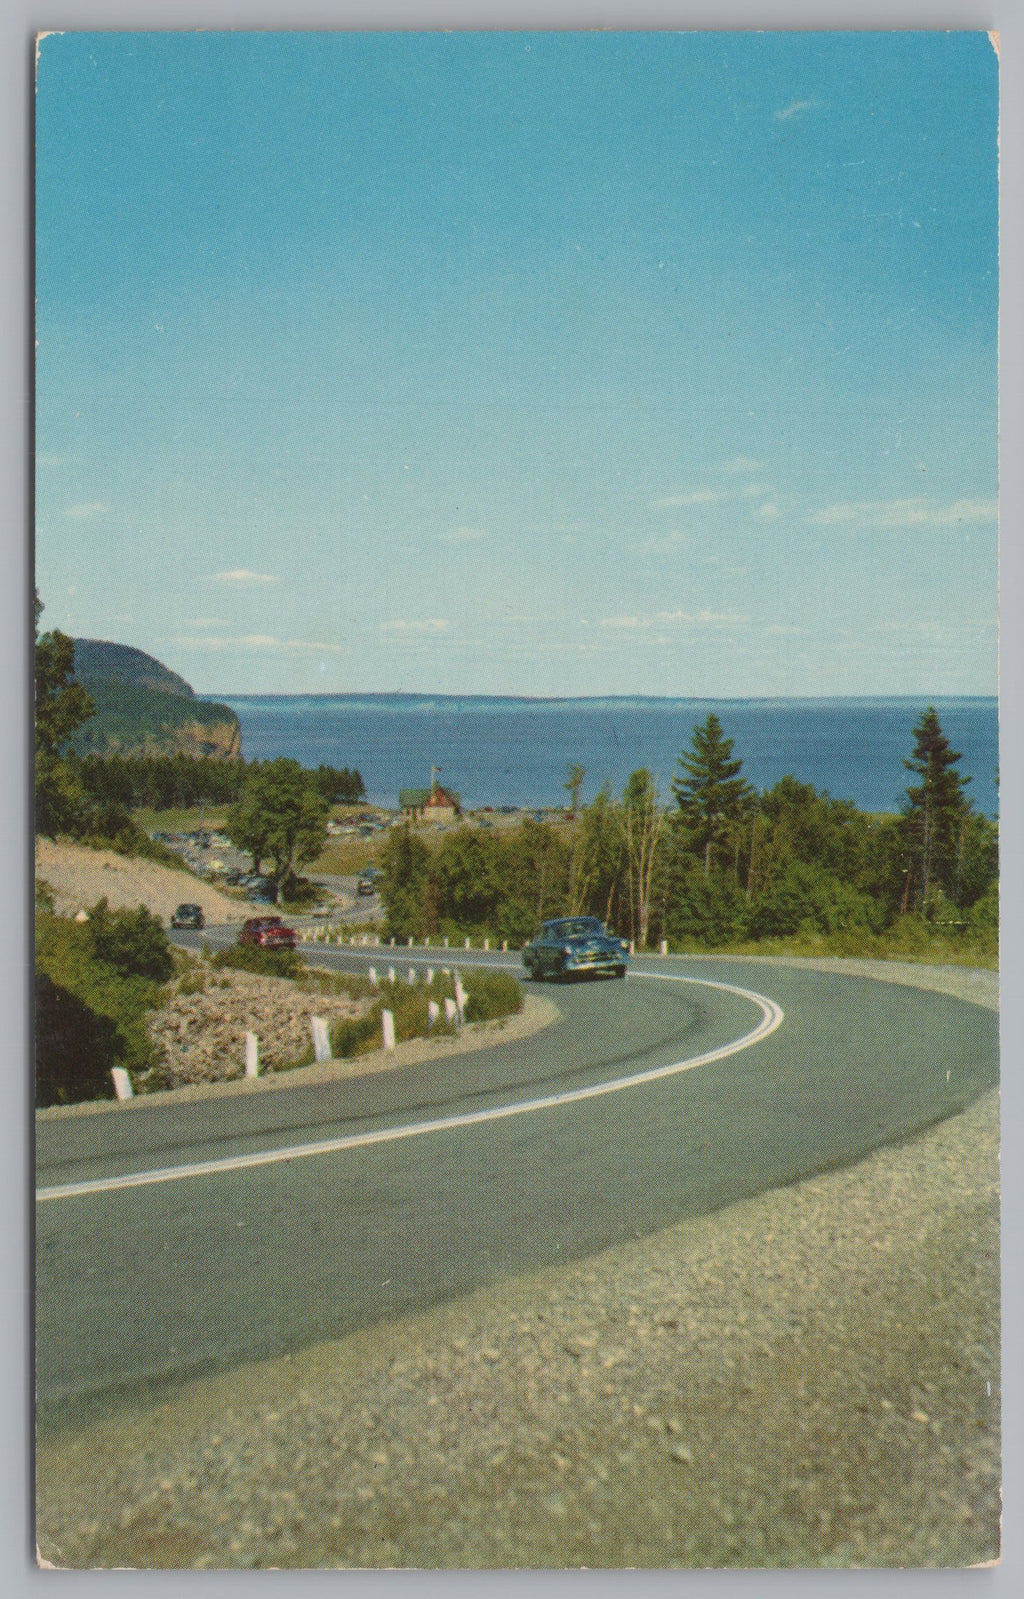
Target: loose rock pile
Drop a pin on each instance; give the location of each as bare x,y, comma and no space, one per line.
201,1036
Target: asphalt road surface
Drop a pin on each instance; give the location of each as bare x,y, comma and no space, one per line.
140,1286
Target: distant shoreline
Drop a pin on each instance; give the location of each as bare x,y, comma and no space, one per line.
420,697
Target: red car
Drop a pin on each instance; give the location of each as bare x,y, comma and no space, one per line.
268,932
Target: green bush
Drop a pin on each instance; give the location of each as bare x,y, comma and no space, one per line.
356,1034
132,942
263,962
491,995
89,1015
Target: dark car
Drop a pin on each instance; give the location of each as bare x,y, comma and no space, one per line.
367,883
188,916
575,945
268,932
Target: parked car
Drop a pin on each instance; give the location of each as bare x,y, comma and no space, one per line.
188,916
268,932
367,883
574,946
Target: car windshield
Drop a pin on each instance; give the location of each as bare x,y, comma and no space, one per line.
577,927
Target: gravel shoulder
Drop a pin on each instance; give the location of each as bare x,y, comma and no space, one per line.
808,1378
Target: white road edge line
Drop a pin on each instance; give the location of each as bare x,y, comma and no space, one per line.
771,1018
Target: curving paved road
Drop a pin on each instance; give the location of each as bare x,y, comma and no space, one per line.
140,1285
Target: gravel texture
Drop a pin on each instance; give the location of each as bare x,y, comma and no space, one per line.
808,1378
201,1036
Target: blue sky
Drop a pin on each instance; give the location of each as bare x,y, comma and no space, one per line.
522,363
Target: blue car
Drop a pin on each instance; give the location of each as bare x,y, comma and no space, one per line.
575,946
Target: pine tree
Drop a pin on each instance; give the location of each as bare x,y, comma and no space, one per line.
712,795
936,811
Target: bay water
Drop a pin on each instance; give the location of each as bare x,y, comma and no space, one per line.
505,751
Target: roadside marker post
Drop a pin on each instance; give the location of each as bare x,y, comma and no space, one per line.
446,941
372,975
391,974
392,943
430,975
460,997
664,946
451,1011
433,1012
388,1025
632,946
412,976
321,1038
487,945
122,1083
252,1055
410,944
426,942
504,946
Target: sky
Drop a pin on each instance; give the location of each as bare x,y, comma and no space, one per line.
522,363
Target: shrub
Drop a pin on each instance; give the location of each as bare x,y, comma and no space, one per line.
75,1046
89,1015
490,995
132,942
355,1034
263,962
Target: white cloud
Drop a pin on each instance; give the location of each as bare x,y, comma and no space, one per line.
784,629
695,497
428,625
796,108
86,509
903,513
670,618
241,574
463,535
741,463
769,508
262,641
207,621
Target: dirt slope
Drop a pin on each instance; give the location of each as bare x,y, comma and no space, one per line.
78,876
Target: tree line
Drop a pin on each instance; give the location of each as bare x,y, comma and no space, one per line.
718,862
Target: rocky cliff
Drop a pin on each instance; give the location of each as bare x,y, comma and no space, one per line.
143,708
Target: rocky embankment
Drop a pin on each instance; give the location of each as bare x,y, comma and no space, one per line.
201,1034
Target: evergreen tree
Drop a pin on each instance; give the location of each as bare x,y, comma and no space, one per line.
712,796
936,813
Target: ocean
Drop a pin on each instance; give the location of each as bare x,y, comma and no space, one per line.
504,751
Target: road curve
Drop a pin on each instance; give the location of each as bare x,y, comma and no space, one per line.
256,1251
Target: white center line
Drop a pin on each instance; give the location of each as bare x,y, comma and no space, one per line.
771,1018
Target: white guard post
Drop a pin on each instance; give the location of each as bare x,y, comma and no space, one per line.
372,975
252,1055
433,1012
412,976
122,1083
460,998
388,1026
321,1038
451,1010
